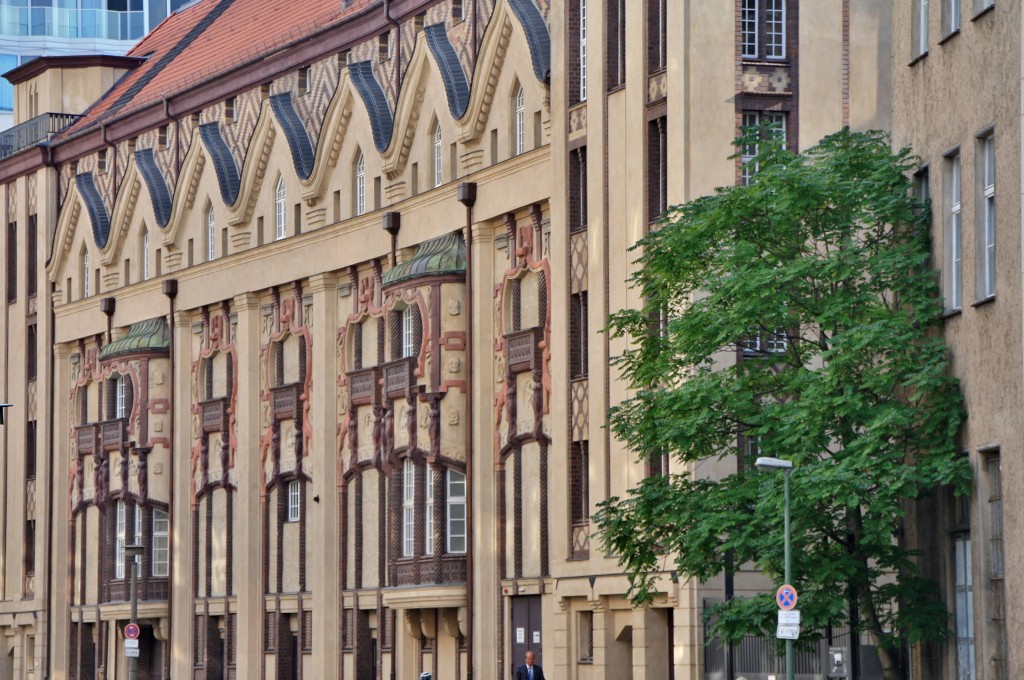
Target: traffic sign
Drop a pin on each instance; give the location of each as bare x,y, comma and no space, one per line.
786,597
784,632
790,618
131,644
131,631
129,652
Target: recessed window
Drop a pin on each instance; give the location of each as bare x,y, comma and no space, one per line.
583,50
438,166
776,122
919,28
408,507
428,532
408,331
950,16
86,275
211,236
987,233
121,404
456,512
360,188
161,544
763,26
294,501
953,277
280,211
146,274
519,105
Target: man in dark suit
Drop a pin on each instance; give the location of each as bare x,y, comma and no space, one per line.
529,670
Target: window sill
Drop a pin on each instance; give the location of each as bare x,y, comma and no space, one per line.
984,301
764,61
987,10
952,313
949,36
918,58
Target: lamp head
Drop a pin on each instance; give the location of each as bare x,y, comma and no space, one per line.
133,551
768,463
3,410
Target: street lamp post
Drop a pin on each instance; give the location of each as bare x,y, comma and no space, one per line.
134,552
767,463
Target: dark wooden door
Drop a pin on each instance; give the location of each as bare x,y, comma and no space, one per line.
527,634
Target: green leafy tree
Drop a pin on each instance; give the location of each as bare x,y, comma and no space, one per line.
817,274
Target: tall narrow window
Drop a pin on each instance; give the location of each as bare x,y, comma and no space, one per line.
657,168
281,211
579,497
996,562
438,168
458,11
211,236
775,29
776,121
86,275
616,32
294,501
520,124
408,508
31,253
360,188
950,16
763,29
578,189
749,37
30,547
919,28
954,235
428,511
145,256
578,335
121,408
408,331
456,512
657,18
120,535
987,172
12,261
30,449
161,544
583,51
32,352
963,609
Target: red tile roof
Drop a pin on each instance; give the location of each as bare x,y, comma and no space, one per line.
210,38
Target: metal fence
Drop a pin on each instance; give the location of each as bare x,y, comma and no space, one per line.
33,131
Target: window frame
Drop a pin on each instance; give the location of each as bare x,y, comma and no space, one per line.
160,565
86,274
280,211
294,489
952,17
763,31
455,502
146,271
438,151
987,216
121,392
409,331
953,228
519,131
428,514
360,188
408,508
919,29
583,50
754,118
211,236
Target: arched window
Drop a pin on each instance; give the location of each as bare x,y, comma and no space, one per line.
520,132
281,221
211,238
145,256
121,405
437,155
409,318
86,290
360,192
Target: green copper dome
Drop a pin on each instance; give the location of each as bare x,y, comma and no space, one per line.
146,336
444,255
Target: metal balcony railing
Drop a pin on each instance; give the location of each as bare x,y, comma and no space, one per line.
33,131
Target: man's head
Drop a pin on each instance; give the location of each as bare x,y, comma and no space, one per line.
529,658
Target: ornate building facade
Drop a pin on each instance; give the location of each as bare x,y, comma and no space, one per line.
308,305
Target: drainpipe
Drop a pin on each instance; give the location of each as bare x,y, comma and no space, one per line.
467,197
170,289
51,399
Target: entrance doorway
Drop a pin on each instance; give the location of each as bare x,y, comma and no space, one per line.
526,630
